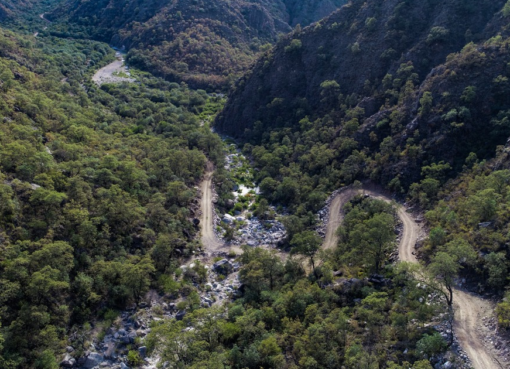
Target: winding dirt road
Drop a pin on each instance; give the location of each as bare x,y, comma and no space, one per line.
469,309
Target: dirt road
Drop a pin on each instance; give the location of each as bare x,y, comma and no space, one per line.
469,309
209,240
410,233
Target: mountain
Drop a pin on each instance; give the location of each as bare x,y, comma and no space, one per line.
423,80
204,43
10,9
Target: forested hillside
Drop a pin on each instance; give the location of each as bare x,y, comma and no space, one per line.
134,236
371,93
95,185
205,43
404,93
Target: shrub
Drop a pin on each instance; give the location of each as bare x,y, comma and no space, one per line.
294,46
437,34
134,358
431,344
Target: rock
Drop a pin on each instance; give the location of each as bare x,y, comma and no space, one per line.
447,365
227,218
109,352
68,361
132,336
142,351
123,366
223,267
180,315
69,348
125,340
93,359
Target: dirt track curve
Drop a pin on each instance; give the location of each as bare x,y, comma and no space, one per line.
468,308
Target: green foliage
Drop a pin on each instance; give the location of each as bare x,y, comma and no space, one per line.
294,46
437,34
294,320
506,9
367,234
503,312
94,203
431,344
134,358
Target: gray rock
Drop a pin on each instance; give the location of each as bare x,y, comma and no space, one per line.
125,339
93,359
68,361
132,336
142,351
447,365
223,267
69,348
180,315
109,352
123,366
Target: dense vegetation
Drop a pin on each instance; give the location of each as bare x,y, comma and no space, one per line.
204,43
285,320
316,114
96,187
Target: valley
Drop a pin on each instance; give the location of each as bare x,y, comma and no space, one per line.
255,184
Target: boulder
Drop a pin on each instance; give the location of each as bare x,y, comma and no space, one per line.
132,336
223,267
109,352
227,218
142,351
93,359
180,315
125,339
68,361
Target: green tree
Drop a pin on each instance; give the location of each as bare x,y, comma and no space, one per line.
307,243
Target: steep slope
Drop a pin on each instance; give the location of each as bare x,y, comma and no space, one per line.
10,9
305,12
90,180
367,72
361,42
205,43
